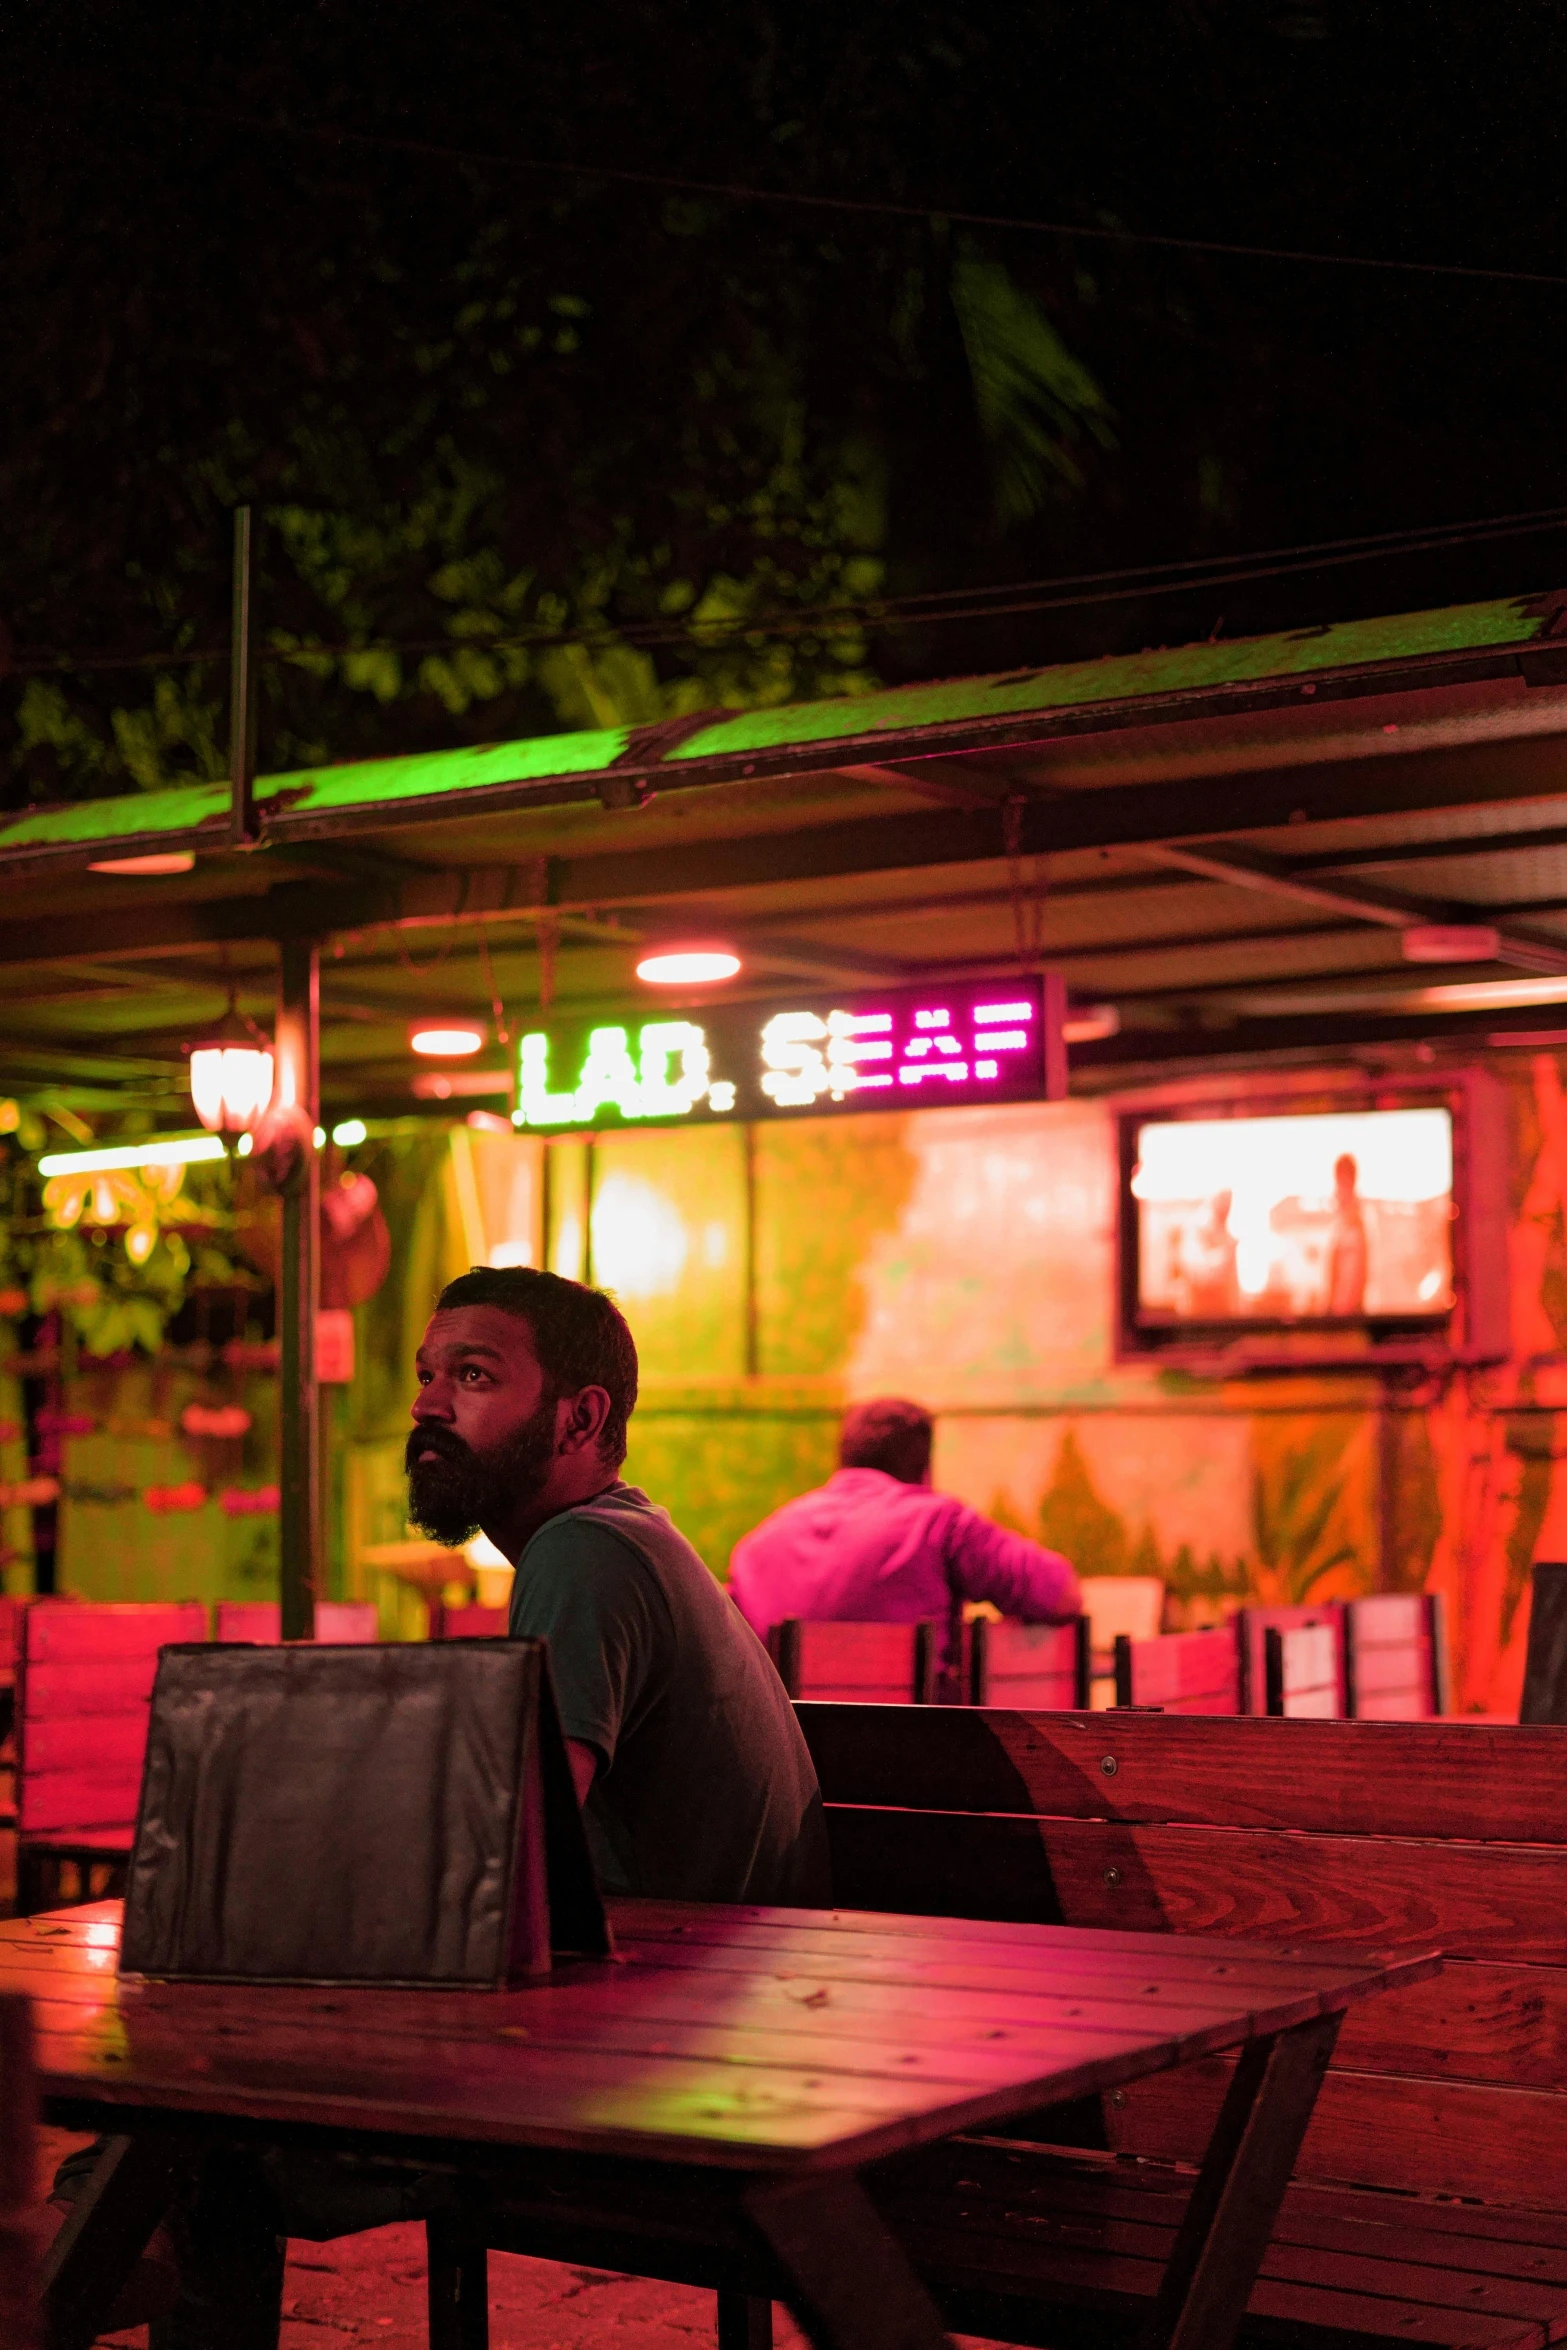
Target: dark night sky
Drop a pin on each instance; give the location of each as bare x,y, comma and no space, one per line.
198,308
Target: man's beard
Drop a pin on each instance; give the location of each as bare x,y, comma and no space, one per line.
452,1496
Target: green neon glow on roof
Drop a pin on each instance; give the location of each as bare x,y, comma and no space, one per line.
421,777
100,822
1079,684
372,783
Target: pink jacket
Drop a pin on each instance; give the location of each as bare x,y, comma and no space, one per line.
867,1548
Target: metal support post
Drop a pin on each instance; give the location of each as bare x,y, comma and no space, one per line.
243,827
299,1290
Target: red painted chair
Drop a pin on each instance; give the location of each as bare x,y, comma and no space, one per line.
257,1622
1396,1656
1303,1672
1182,1673
1257,1622
1034,1668
856,1664
468,1623
339,1622
19,2216
347,1623
84,1682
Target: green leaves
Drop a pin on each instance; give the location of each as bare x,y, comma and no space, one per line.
1032,398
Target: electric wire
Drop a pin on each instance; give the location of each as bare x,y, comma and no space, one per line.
934,608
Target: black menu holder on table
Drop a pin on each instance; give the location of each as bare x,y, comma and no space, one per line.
399,1815
1545,1661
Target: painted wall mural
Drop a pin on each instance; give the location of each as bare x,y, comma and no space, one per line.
965,1257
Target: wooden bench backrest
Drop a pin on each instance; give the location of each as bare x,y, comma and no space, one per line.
1253,1625
19,2230
84,1683
1396,1656
1034,1668
1367,1835
1184,1672
1302,1673
468,1623
861,1664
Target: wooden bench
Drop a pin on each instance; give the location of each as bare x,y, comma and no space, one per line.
20,2232
1183,1672
1430,2200
84,1681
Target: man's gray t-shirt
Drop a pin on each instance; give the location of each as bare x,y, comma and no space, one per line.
705,1790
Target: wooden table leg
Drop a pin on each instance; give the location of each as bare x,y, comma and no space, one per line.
1220,2245
744,2322
852,2285
127,2192
459,2274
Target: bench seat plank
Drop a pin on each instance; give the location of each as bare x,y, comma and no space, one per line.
995,2228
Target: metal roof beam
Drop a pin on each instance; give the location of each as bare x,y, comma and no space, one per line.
1389,909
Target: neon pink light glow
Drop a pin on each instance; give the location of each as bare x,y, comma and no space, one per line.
785,1059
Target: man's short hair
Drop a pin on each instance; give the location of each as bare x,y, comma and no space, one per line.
581,1337
889,1434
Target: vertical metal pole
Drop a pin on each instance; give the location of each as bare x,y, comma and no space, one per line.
753,1323
299,1290
242,687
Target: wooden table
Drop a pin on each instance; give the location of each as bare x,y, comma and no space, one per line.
701,2106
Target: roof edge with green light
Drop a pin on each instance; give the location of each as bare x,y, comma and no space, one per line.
1463,644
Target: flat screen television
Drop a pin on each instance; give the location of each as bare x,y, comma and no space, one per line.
1371,1221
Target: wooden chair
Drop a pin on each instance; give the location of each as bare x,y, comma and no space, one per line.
1183,1673
1396,1656
1033,1667
347,1623
84,1681
19,2235
1301,1668
256,1621
1255,1623
341,1623
467,1623
864,1664
1132,1605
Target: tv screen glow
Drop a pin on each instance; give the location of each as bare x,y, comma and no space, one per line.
1341,1216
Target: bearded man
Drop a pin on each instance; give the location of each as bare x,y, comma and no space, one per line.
694,1779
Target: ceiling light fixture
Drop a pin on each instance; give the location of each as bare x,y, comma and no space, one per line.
161,861
446,1043
349,1133
688,966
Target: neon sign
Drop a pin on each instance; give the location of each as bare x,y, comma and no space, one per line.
905,1048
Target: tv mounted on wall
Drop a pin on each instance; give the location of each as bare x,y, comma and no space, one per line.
1351,1225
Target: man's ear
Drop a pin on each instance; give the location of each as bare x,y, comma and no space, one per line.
580,1418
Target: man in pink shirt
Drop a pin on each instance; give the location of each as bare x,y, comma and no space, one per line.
876,1545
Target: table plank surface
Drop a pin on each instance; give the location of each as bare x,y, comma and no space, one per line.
766,2040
